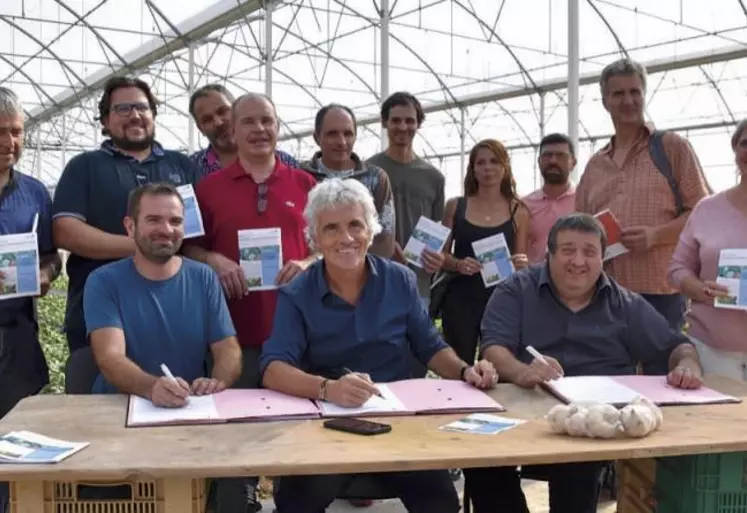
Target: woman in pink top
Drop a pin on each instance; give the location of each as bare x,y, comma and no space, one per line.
718,222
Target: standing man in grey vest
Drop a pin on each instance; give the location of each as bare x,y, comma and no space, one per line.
418,186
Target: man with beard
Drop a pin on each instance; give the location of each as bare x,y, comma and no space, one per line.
210,107
557,157
91,196
23,368
418,187
159,308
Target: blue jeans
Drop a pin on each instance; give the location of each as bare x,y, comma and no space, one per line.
426,491
232,494
4,497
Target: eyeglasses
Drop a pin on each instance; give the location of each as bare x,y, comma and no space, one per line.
261,197
125,109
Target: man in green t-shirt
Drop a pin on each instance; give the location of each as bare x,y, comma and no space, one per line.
418,186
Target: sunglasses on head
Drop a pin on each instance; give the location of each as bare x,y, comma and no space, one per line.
261,197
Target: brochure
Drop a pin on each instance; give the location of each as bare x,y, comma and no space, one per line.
193,226
426,234
492,252
482,424
732,273
260,257
614,234
19,264
28,447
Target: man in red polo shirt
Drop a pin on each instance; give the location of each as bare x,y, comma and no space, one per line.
256,191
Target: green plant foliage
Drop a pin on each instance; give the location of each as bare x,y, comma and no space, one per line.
51,311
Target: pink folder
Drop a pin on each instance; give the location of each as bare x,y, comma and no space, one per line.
656,389
229,405
418,396
443,396
410,397
262,404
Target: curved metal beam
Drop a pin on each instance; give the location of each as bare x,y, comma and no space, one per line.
44,47
32,82
500,40
82,20
609,27
718,92
218,15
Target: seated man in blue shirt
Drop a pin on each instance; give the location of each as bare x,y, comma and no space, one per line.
355,310
589,325
159,308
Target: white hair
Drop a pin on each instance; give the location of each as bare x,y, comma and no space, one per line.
10,104
336,192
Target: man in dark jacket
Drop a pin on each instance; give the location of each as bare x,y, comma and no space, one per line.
335,130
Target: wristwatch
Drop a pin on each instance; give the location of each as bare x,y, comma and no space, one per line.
463,371
323,390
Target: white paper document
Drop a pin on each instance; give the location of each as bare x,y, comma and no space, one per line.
198,407
492,252
732,273
260,257
426,234
592,389
28,447
390,403
19,264
193,226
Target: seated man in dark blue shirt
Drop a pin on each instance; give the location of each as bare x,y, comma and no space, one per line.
359,311
584,323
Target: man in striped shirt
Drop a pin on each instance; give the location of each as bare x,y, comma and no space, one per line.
25,206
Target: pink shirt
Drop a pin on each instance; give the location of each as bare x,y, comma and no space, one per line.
545,211
697,254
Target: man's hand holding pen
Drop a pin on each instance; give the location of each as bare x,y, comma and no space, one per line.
352,390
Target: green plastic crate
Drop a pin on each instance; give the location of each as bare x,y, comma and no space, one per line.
707,483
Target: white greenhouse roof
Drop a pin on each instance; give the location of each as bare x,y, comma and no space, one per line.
502,64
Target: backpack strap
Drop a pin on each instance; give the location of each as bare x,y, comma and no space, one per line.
661,161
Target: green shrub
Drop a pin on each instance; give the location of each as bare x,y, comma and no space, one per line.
51,310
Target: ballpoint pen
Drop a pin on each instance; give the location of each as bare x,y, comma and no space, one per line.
541,358
378,393
167,372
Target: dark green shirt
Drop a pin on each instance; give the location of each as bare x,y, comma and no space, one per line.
418,190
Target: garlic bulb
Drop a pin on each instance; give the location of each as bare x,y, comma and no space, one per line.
653,407
575,424
638,420
603,421
557,416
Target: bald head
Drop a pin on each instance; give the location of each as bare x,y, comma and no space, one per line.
255,98
255,126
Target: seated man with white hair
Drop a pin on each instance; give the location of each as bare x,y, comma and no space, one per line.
359,311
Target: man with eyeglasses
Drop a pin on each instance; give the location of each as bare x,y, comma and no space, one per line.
91,196
555,199
256,191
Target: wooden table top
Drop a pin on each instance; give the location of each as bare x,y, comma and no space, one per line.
305,447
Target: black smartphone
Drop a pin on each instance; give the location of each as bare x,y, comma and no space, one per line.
358,426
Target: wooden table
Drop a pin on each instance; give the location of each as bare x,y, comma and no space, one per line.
177,455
